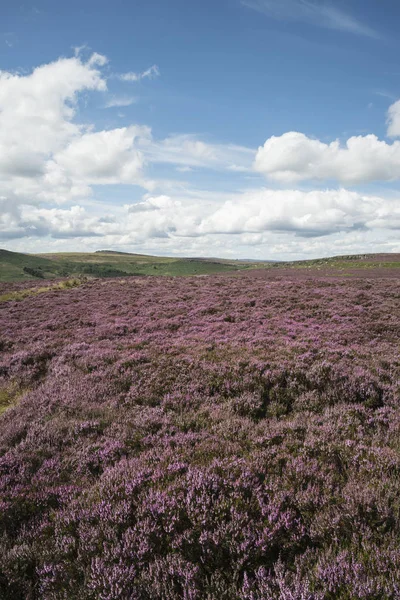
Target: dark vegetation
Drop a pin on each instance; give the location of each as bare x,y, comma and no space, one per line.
201,439
38,273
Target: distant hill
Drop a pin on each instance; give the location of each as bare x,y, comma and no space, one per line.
119,253
15,266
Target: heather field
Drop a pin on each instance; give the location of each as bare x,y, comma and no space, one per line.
229,437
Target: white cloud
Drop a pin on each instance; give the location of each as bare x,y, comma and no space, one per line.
293,156
118,101
104,157
45,155
97,60
322,14
36,112
48,158
24,221
255,215
307,214
36,122
149,73
393,120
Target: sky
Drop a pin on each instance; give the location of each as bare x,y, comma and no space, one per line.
264,129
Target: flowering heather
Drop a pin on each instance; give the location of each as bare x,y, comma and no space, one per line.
201,439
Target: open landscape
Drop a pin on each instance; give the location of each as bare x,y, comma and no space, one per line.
200,300
234,436
15,266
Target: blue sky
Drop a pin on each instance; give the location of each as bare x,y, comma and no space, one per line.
247,128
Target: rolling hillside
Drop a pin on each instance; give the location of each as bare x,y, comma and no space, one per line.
16,266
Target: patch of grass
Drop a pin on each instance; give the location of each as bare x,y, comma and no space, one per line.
9,396
21,294
15,266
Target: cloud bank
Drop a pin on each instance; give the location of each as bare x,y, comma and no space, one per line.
315,214
51,167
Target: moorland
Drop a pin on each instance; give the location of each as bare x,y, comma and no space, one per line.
229,436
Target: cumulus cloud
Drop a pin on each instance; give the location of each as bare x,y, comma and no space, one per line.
45,154
36,112
36,122
306,214
104,157
50,164
28,221
149,73
293,156
253,213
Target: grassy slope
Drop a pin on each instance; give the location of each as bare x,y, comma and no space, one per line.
113,264
12,265
139,264
66,284
109,264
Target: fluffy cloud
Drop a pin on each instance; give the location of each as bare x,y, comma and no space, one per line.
104,157
50,163
58,223
293,156
45,155
36,112
253,213
307,214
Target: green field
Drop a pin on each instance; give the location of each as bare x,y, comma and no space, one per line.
12,265
15,266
